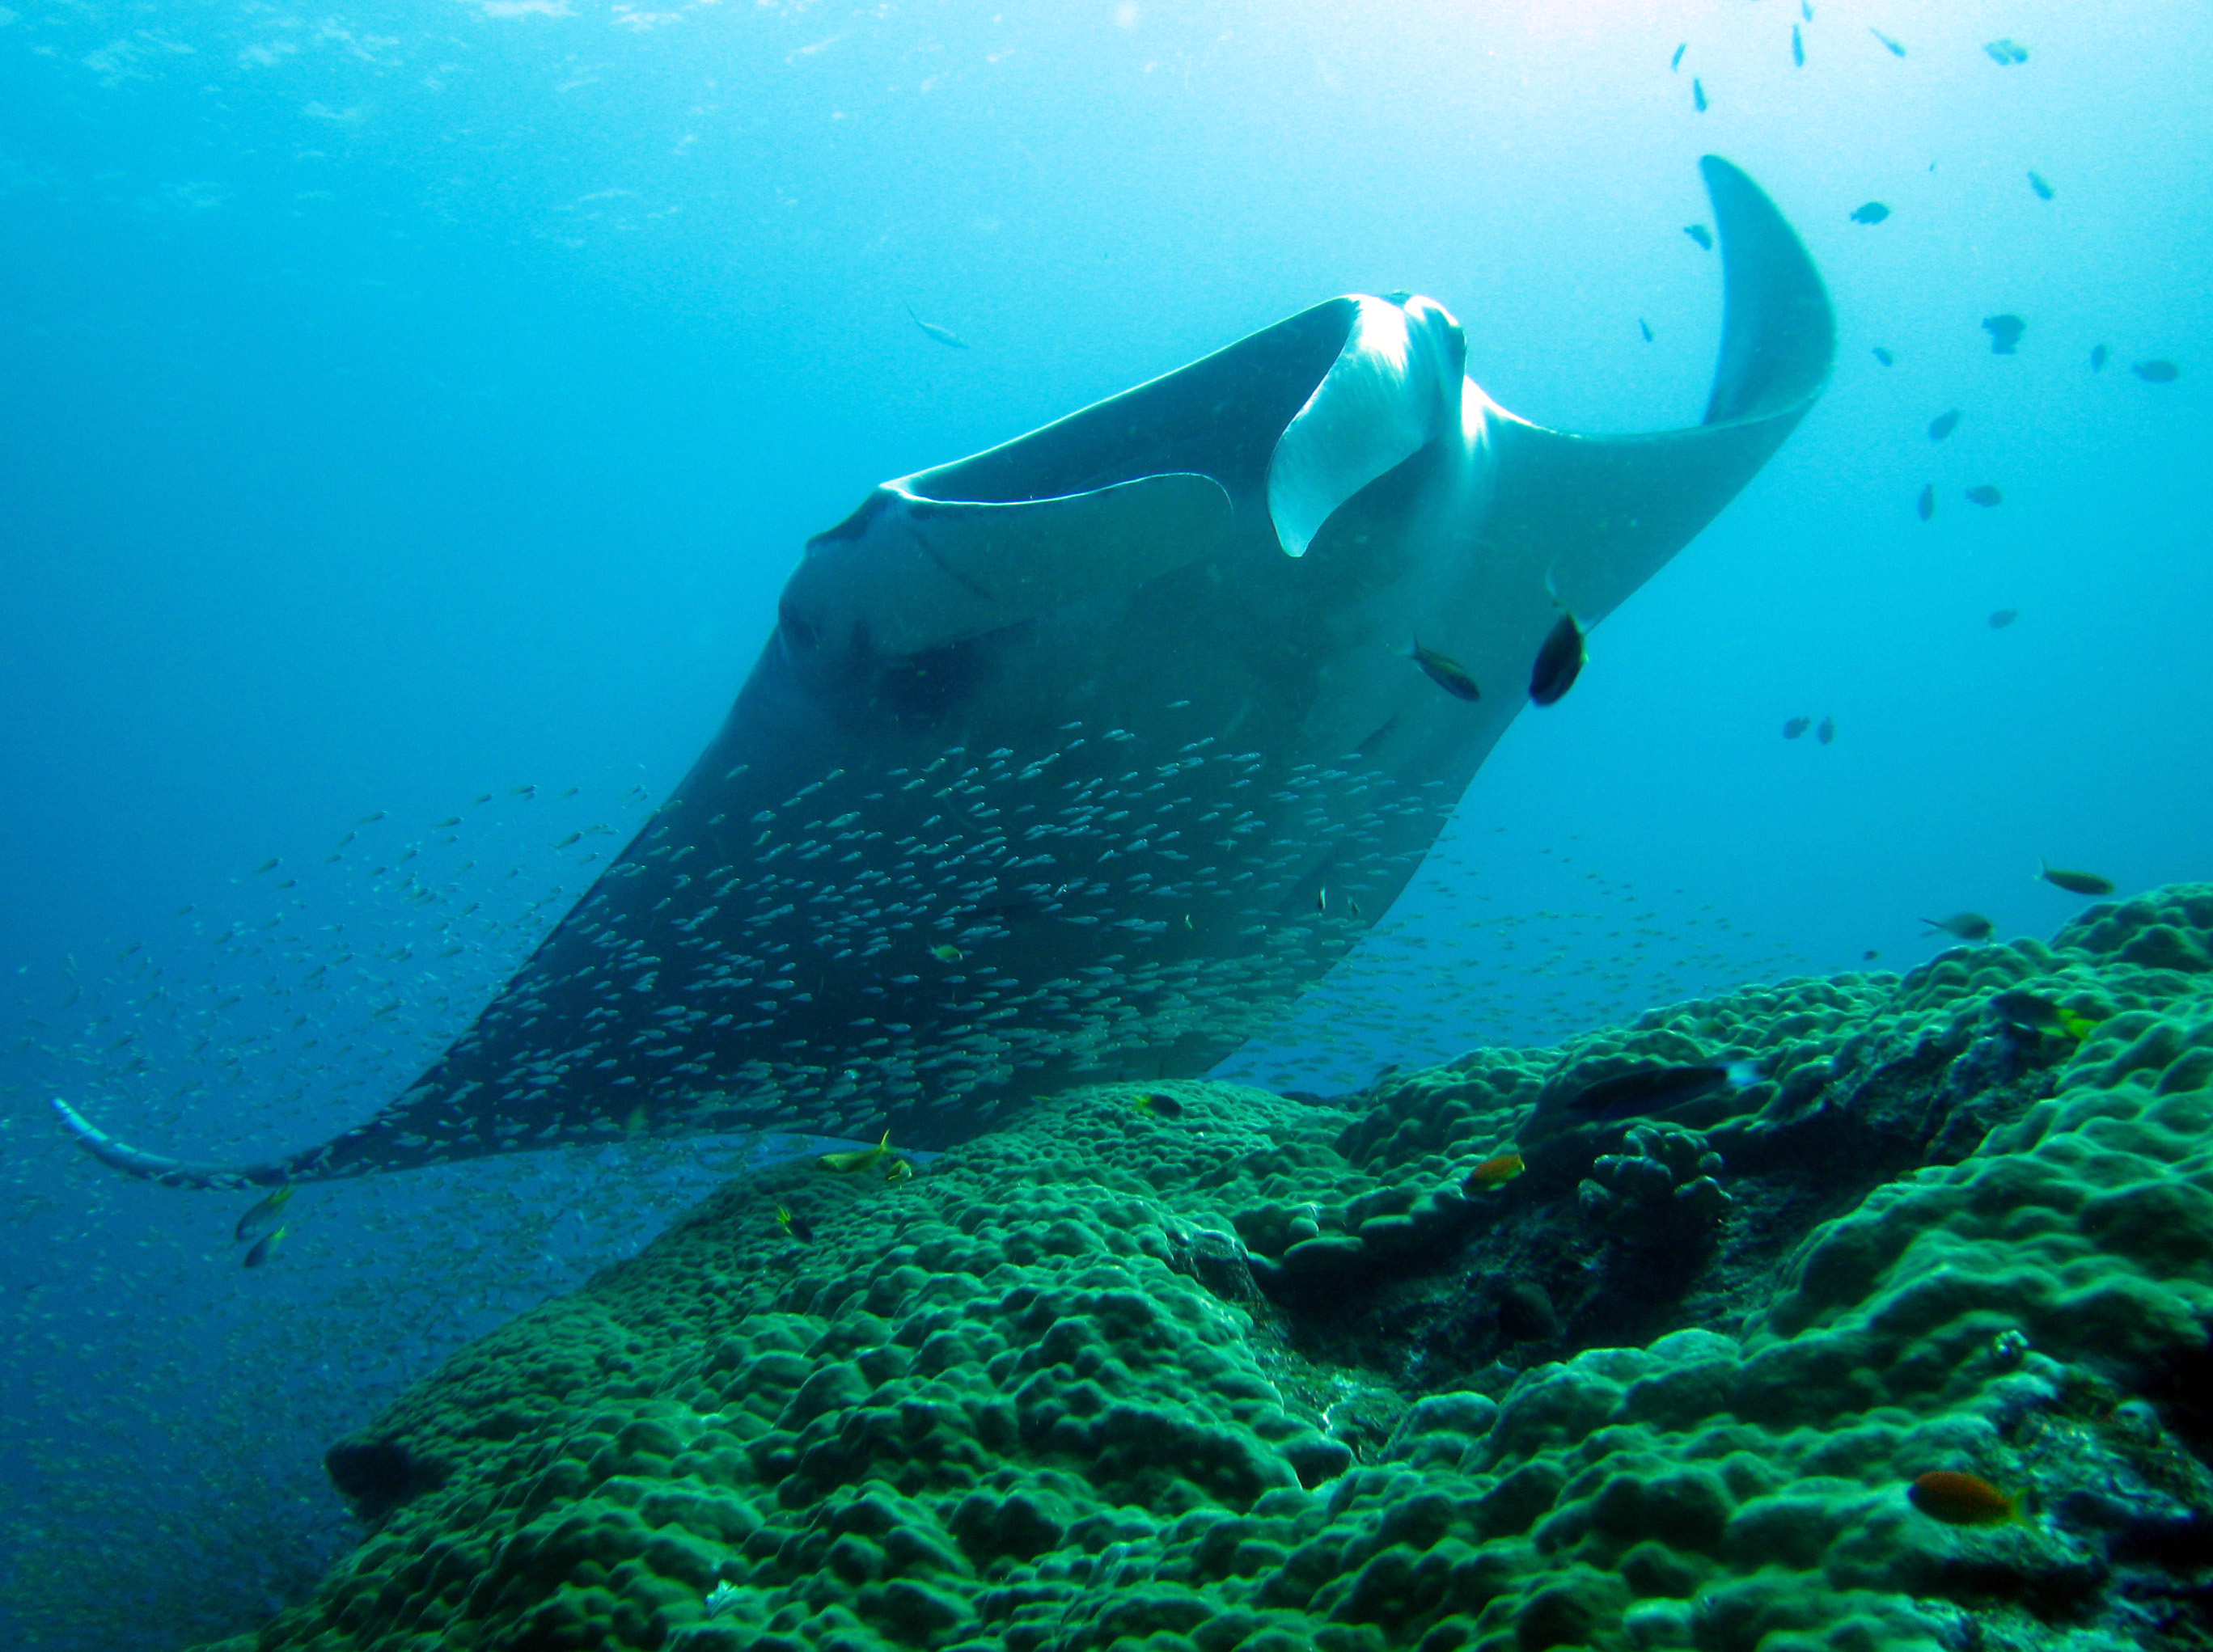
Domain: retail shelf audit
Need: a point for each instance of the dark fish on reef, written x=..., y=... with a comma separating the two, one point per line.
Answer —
x=1657, y=1089
x=1159, y=1104
x=1698, y=95
x=1122, y=672
x=2005, y=332
x=2032, y=1012
x=1870, y=212
x=264, y=1216
x=265, y=1249
x=1559, y=662
x=1884, y=355
x=1700, y=234
x=1446, y=672
x=1888, y=45
x=1796, y=727
x=2043, y=189
x=795, y=1225
x=1964, y=925
x=2002, y=618
x=2156, y=371
x=2098, y=355
x=1962, y=1500
x=1943, y=424
x=1526, y=1313
x=2006, y=53
x=1984, y=495
x=2075, y=883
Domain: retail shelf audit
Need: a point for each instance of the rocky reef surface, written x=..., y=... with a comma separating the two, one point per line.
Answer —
x=1204, y=1369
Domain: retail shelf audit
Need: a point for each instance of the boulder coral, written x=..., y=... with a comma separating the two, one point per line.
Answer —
x=1260, y=1375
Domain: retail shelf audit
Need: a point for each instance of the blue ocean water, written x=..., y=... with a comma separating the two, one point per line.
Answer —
x=412, y=411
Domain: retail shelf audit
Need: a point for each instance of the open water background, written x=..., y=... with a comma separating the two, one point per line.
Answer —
x=407, y=402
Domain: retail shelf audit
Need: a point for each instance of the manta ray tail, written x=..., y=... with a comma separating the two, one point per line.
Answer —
x=1600, y=514
x=169, y=1172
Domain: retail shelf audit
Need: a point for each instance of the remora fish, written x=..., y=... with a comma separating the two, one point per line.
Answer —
x=1123, y=671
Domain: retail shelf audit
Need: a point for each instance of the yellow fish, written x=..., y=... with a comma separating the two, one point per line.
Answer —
x=1496, y=1171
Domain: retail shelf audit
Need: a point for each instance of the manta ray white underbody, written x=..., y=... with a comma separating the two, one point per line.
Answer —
x=1079, y=759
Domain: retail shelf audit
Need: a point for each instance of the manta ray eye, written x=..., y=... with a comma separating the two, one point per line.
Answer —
x=926, y=686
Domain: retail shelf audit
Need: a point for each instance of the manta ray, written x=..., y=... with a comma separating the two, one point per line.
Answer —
x=1077, y=760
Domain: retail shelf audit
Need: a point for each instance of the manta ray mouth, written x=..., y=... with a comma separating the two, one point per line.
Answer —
x=1080, y=759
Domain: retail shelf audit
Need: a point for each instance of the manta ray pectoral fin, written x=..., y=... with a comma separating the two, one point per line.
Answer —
x=153, y=1167
x=1600, y=514
x=923, y=573
x=1393, y=388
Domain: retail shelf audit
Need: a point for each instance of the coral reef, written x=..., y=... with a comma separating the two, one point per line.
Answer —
x=1251, y=1372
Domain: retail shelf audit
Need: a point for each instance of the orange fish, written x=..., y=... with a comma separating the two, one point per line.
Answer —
x=1497, y=1171
x=1962, y=1500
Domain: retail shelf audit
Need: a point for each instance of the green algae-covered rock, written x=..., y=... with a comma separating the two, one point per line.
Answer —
x=1257, y=1375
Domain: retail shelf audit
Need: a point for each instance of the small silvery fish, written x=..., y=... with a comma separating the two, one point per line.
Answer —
x=944, y=335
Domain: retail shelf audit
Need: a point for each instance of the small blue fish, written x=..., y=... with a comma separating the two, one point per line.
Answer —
x=2098, y=355
x=1446, y=672
x=1871, y=212
x=1700, y=234
x=2043, y=189
x=1797, y=47
x=1644, y=327
x=264, y=1216
x=1676, y=61
x=1698, y=95
x=1888, y=45
x=1884, y=355
x=1943, y=425
x=260, y=1255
